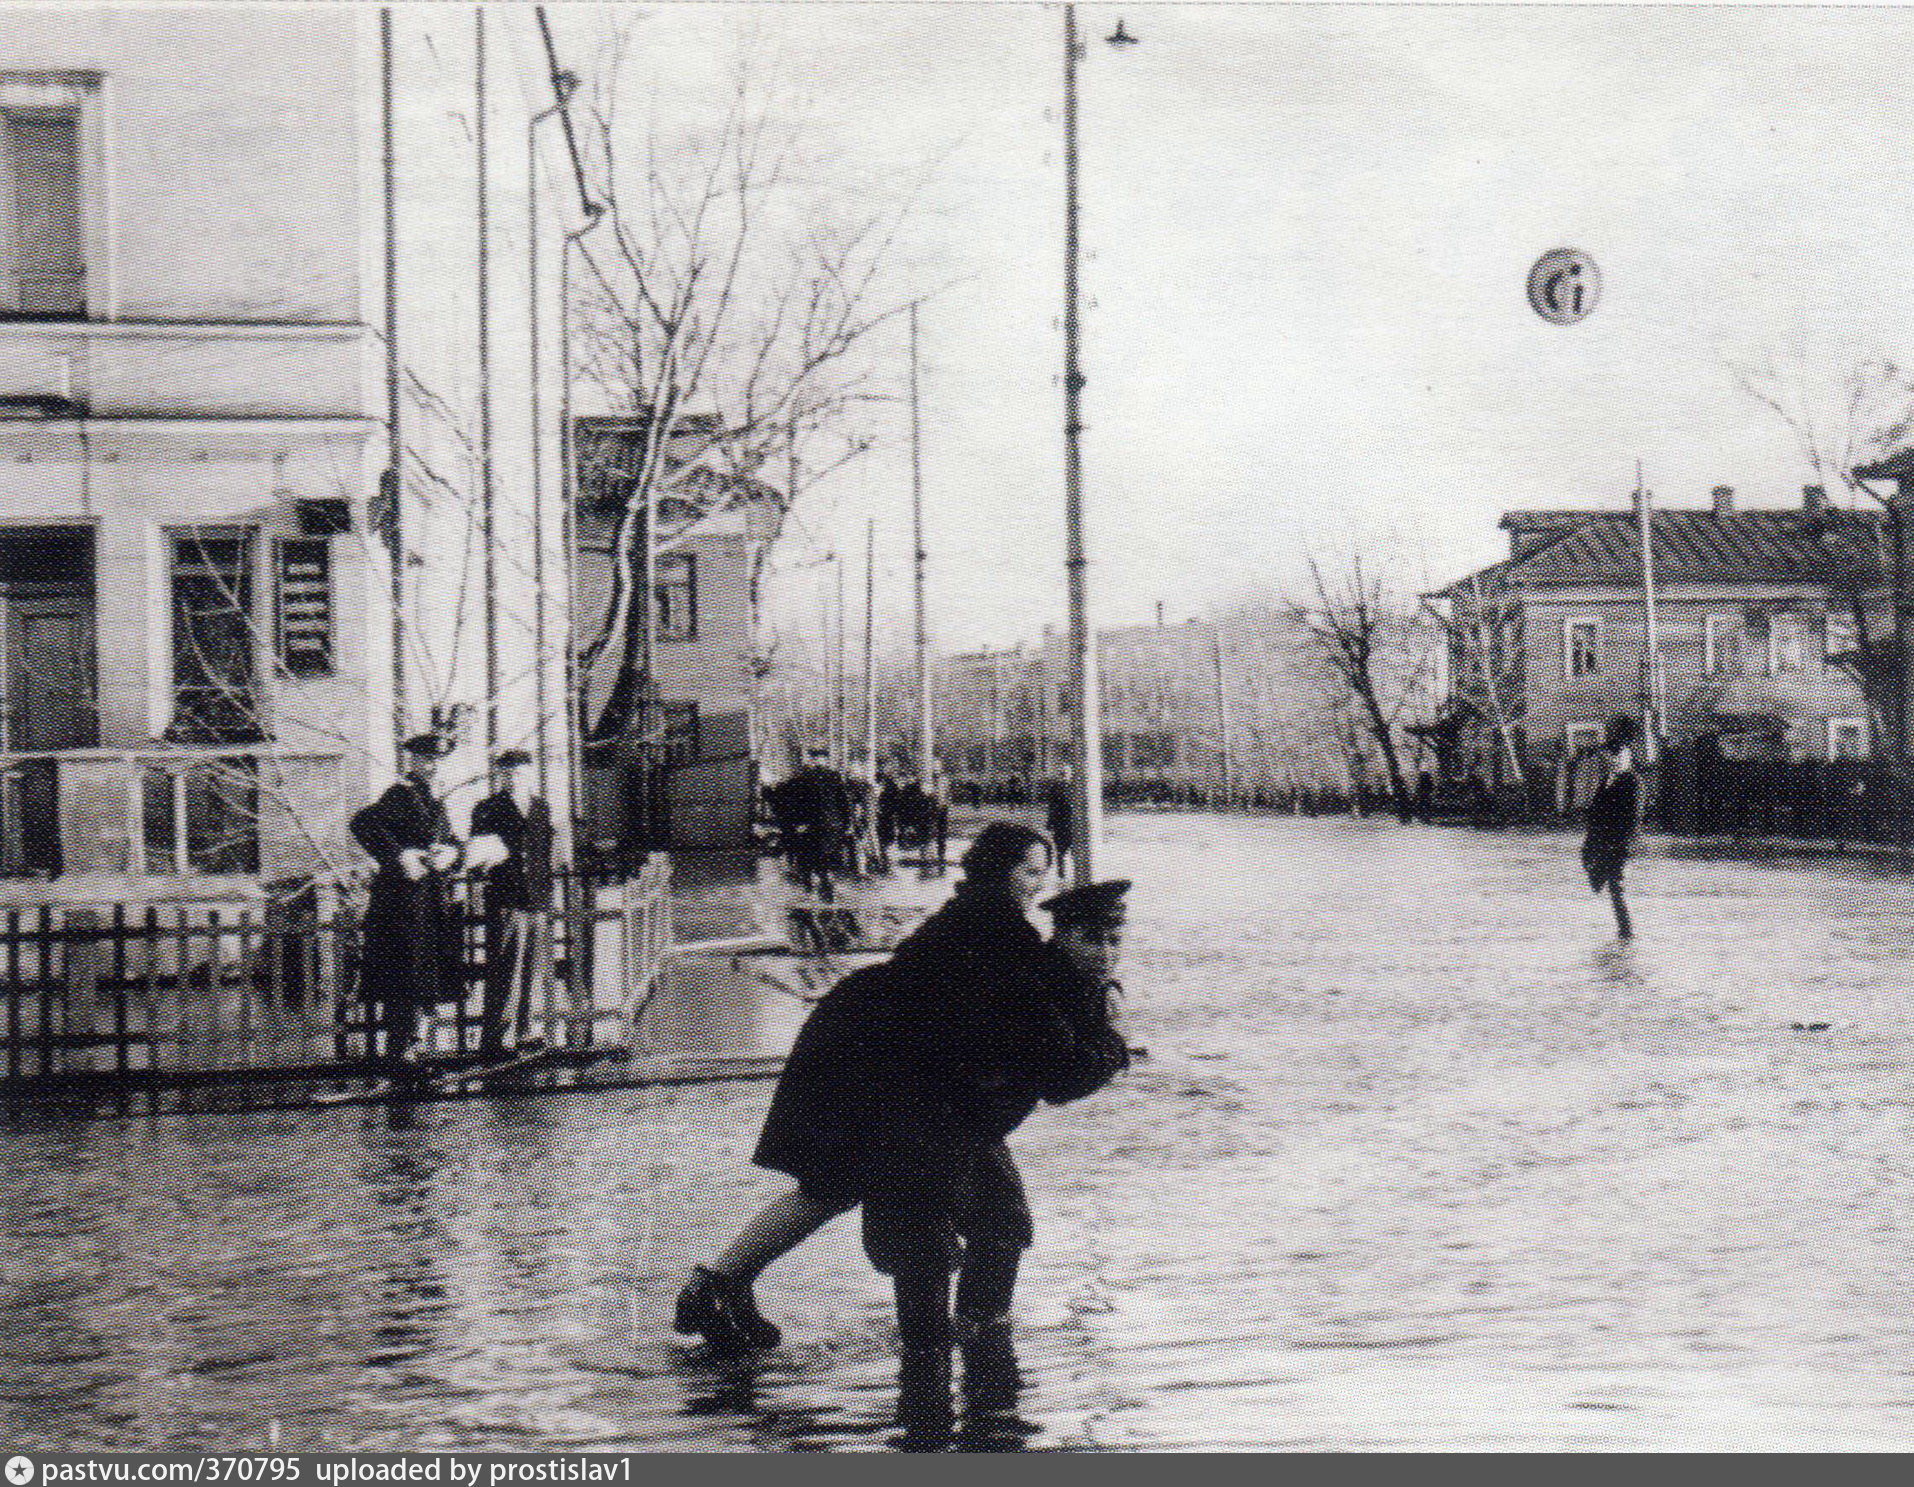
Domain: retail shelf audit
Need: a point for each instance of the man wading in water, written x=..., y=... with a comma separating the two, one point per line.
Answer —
x=901, y=1088
x=1613, y=816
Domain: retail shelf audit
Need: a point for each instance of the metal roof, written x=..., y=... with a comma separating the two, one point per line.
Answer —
x=1594, y=547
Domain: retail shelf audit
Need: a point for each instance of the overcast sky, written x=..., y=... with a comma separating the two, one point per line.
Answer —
x=1308, y=232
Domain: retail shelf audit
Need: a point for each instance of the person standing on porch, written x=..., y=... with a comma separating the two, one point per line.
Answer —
x=411, y=948
x=518, y=901
x=1613, y=818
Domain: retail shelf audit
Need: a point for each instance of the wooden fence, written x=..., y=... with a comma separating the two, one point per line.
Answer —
x=1840, y=800
x=193, y=991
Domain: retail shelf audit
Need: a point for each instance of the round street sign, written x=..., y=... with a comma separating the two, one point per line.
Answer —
x=1564, y=286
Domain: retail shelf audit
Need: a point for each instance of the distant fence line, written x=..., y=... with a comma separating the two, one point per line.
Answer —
x=1838, y=800
x=1691, y=793
x=202, y=990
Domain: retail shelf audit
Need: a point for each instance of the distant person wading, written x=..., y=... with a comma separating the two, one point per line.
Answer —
x=1613, y=818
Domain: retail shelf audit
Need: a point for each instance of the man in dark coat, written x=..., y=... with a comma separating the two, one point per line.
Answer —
x=1059, y=815
x=411, y=946
x=898, y=1094
x=1613, y=817
x=820, y=806
x=518, y=900
x=887, y=794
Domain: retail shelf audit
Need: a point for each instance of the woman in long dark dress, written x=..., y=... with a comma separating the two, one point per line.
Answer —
x=897, y=1094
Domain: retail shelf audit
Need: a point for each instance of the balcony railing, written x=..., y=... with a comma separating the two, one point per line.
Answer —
x=170, y=813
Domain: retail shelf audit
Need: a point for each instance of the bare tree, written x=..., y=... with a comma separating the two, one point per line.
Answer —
x=1486, y=648
x=731, y=325
x=1370, y=637
x=1843, y=420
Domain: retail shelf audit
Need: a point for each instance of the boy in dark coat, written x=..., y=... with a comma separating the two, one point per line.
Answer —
x=412, y=951
x=901, y=1088
x=1613, y=816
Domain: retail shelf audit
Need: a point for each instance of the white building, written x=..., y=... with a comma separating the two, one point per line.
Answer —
x=195, y=609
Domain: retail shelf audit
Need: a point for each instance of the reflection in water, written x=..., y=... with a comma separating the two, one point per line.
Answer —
x=1421, y=1159
x=923, y=1401
x=992, y=1385
x=1615, y=963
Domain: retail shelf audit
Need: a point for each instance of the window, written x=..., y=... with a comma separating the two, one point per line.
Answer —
x=1153, y=751
x=303, y=576
x=1583, y=646
x=201, y=818
x=43, y=256
x=1787, y=644
x=677, y=596
x=1721, y=645
x=680, y=732
x=1847, y=738
x=1839, y=638
x=213, y=696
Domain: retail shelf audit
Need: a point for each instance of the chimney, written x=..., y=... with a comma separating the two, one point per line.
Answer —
x=1814, y=499
x=1724, y=500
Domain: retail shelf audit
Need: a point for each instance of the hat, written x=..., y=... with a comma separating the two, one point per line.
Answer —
x=431, y=745
x=510, y=758
x=1093, y=903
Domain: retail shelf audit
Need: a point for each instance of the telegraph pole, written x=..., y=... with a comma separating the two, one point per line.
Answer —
x=926, y=743
x=1222, y=719
x=1651, y=651
x=1088, y=776
x=393, y=482
x=839, y=738
x=487, y=495
x=870, y=652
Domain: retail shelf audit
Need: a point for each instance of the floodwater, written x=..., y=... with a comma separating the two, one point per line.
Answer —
x=1421, y=1158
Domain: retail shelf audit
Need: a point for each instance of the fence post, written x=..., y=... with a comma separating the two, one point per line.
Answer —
x=81, y=983
x=16, y=1035
x=122, y=1055
x=43, y=980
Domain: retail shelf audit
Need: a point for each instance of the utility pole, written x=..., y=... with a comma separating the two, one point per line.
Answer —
x=487, y=495
x=1222, y=718
x=1651, y=649
x=540, y=686
x=840, y=741
x=926, y=742
x=568, y=486
x=870, y=652
x=393, y=481
x=1087, y=781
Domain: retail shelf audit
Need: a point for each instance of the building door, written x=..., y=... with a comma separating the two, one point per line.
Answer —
x=49, y=705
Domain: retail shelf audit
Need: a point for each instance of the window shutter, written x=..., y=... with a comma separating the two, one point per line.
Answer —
x=44, y=153
x=305, y=606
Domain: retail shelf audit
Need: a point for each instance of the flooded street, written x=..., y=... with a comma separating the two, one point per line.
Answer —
x=1421, y=1159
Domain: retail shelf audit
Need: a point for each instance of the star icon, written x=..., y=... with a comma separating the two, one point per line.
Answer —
x=19, y=1471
